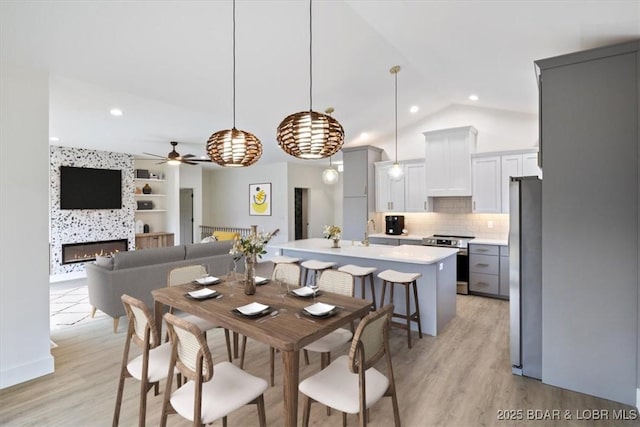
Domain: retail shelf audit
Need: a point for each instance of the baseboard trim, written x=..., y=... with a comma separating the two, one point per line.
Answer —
x=26, y=372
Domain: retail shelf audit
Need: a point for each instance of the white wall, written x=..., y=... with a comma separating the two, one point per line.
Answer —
x=226, y=197
x=24, y=225
x=191, y=177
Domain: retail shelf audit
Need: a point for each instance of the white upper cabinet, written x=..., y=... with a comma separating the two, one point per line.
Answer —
x=448, y=161
x=390, y=195
x=486, y=184
x=492, y=173
x=408, y=194
x=415, y=187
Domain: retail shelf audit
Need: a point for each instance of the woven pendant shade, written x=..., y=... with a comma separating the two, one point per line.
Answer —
x=310, y=135
x=234, y=148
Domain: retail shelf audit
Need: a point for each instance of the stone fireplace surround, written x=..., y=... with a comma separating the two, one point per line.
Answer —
x=88, y=225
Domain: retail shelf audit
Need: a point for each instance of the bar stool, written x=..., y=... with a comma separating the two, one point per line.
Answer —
x=283, y=259
x=391, y=277
x=317, y=267
x=362, y=273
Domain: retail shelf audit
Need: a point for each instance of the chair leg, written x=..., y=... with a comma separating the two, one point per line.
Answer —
x=262, y=417
x=144, y=387
x=415, y=300
x=224, y=421
x=116, y=320
x=384, y=290
x=272, y=365
x=227, y=338
x=242, y=350
x=325, y=360
x=344, y=419
x=306, y=357
x=116, y=413
x=373, y=291
x=408, y=308
x=306, y=410
x=93, y=312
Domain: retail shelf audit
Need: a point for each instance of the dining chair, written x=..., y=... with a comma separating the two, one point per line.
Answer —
x=351, y=384
x=149, y=367
x=187, y=274
x=211, y=391
x=289, y=274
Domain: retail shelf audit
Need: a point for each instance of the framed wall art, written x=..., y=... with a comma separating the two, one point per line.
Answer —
x=260, y=199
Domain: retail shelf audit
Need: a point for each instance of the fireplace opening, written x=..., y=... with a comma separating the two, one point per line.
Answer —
x=88, y=251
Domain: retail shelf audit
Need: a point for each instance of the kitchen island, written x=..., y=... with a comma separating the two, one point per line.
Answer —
x=436, y=286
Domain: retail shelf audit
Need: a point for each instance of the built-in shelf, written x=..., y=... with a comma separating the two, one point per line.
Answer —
x=150, y=195
x=150, y=210
x=150, y=180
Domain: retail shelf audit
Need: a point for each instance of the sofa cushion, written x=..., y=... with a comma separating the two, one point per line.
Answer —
x=105, y=261
x=201, y=250
x=146, y=257
x=225, y=235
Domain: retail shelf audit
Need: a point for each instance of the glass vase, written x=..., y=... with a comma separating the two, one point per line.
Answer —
x=336, y=243
x=250, y=274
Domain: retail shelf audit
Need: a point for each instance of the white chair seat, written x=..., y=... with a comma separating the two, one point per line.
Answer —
x=202, y=324
x=356, y=270
x=159, y=359
x=229, y=389
x=337, y=387
x=282, y=259
x=331, y=341
x=398, y=277
x=313, y=264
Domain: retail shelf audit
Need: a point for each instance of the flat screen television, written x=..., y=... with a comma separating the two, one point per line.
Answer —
x=89, y=188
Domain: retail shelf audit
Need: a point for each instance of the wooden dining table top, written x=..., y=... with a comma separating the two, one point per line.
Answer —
x=289, y=330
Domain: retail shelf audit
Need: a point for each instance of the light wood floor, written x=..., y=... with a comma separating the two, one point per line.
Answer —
x=460, y=378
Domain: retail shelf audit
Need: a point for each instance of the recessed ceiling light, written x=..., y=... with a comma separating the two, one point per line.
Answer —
x=414, y=109
x=54, y=139
x=473, y=97
x=116, y=112
x=364, y=135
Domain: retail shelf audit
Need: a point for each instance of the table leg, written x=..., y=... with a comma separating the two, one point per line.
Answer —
x=290, y=377
x=157, y=314
x=235, y=345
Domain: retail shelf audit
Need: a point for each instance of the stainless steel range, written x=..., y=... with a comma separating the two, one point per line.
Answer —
x=461, y=243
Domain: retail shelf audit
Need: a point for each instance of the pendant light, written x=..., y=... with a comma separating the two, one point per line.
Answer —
x=330, y=176
x=310, y=134
x=234, y=147
x=396, y=172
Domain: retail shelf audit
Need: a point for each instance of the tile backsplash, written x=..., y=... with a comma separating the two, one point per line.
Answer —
x=452, y=215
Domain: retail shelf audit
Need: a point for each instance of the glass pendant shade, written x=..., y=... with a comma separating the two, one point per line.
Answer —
x=330, y=176
x=234, y=148
x=310, y=135
x=395, y=172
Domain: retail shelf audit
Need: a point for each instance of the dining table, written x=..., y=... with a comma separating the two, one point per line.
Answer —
x=284, y=326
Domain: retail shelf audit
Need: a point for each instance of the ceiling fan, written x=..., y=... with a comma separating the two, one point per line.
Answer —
x=174, y=157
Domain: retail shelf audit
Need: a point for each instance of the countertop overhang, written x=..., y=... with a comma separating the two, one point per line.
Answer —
x=404, y=253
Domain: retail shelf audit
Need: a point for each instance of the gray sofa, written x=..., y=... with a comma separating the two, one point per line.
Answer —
x=137, y=273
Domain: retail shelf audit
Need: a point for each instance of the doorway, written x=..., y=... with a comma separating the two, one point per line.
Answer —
x=301, y=209
x=186, y=216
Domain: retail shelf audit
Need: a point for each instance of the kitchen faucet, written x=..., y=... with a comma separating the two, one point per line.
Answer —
x=366, y=232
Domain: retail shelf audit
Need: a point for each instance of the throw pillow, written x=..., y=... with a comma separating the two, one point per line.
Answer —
x=225, y=235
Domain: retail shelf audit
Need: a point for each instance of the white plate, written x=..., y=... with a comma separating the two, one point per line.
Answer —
x=319, y=309
x=260, y=280
x=207, y=280
x=201, y=293
x=303, y=291
x=253, y=308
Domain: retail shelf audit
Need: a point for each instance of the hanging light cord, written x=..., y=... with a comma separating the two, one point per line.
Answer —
x=396, y=106
x=310, y=59
x=234, y=64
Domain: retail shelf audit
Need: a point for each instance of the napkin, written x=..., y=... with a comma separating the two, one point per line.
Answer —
x=319, y=309
x=207, y=280
x=201, y=293
x=253, y=308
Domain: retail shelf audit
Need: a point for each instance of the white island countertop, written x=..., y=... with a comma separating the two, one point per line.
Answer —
x=495, y=242
x=404, y=253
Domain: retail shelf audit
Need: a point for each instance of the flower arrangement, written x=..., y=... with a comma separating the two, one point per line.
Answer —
x=254, y=244
x=331, y=232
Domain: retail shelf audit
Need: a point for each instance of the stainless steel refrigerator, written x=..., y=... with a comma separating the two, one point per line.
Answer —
x=525, y=275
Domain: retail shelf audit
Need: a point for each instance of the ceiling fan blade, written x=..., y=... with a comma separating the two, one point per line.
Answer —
x=159, y=163
x=155, y=155
x=188, y=162
x=188, y=156
x=200, y=160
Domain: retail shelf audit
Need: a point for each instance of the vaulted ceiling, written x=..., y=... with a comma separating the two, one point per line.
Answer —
x=168, y=64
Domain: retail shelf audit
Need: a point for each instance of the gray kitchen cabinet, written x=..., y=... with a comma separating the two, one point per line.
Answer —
x=504, y=271
x=358, y=183
x=485, y=270
x=448, y=161
x=384, y=241
x=589, y=139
